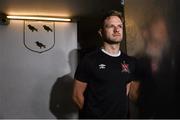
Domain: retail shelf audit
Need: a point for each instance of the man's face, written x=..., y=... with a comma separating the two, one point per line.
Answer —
x=112, y=31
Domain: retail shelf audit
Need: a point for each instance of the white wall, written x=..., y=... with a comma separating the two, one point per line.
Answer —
x=26, y=77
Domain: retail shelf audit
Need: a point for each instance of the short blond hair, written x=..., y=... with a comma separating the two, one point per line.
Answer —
x=111, y=13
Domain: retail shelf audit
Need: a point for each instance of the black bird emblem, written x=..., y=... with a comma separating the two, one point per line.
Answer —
x=47, y=28
x=32, y=28
x=40, y=45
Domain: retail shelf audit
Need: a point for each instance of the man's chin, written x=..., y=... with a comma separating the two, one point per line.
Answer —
x=113, y=42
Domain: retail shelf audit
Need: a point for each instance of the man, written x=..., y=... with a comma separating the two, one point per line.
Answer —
x=103, y=78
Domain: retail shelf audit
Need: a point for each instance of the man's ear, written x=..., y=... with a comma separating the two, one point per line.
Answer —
x=100, y=32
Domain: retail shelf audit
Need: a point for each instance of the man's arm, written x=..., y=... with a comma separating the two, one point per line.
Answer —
x=78, y=91
x=133, y=90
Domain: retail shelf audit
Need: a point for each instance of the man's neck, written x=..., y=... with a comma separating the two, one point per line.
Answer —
x=111, y=49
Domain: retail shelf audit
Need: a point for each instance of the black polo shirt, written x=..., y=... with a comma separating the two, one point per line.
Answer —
x=106, y=78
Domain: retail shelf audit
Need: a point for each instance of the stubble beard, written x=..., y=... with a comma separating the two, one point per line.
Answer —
x=112, y=42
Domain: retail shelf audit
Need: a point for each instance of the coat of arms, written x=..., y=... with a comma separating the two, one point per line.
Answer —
x=39, y=36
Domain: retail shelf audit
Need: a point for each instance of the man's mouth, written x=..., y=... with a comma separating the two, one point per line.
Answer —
x=115, y=35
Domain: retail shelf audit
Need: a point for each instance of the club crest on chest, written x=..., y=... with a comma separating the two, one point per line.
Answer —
x=125, y=67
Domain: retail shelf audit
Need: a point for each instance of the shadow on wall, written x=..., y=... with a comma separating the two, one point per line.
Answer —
x=61, y=103
x=42, y=75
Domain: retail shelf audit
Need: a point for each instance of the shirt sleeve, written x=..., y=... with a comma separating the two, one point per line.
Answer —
x=82, y=73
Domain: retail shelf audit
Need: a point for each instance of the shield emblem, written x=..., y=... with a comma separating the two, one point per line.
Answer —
x=39, y=36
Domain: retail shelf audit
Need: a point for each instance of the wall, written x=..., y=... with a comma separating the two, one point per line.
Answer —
x=27, y=77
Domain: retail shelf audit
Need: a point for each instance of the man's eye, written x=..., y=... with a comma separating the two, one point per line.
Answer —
x=112, y=26
x=120, y=26
x=109, y=26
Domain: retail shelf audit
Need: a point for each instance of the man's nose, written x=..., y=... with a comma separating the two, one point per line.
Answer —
x=116, y=29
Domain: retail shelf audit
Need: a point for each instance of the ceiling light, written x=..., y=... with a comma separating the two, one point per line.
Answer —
x=38, y=18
